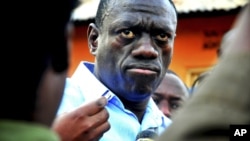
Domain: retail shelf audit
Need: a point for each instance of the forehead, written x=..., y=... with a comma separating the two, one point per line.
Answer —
x=172, y=81
x=171, y=84
x=155, y=10
x=150, y=6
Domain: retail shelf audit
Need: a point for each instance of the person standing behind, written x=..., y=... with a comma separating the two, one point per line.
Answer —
x=132, y=41
x=171, y=94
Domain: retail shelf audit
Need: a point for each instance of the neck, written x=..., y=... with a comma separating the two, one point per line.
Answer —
x=138, y=108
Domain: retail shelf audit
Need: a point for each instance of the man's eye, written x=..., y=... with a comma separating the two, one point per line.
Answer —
x=162, y=37
x=156, y=99
x=128, y=34
x=174, y=106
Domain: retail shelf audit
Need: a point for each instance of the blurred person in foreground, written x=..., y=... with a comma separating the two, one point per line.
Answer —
x=171, y=94
x=35, y=69
x=132, y=41
x=224, y=98
x=34, y=82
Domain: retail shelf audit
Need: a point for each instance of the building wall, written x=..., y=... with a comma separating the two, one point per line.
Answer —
x=194, y=49
x=196, y=44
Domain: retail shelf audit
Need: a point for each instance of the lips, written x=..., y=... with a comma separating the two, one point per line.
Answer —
x=143, y=70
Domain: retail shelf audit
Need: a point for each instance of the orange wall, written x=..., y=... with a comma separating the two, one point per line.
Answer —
x=79, y=50
x=188, y=48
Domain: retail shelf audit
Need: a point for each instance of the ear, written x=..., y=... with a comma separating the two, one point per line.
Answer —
x=93, y=33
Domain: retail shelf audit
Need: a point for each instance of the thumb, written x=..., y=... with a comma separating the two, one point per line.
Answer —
x=101, y=102
x=94, y=107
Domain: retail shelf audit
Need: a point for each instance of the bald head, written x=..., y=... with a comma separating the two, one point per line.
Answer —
x=170, y=94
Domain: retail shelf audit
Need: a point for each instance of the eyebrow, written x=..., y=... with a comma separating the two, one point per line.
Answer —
x=171, y=98
x=119, y=23
x=176, y=98
x=158, y=95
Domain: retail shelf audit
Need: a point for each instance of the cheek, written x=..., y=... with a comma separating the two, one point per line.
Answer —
x=167, y=55
x=52, y=87
x=49, y=95
x=109, y=53
x=116, y=44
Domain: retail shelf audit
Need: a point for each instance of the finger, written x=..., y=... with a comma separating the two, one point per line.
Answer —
x=97, y=133
x=92, y=122
x=93, y=107
x=99, y=118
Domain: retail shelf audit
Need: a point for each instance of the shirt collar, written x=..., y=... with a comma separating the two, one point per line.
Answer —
x=84, y=75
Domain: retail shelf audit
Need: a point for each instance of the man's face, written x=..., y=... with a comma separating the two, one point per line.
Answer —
x=170, y=94
x=135, y=46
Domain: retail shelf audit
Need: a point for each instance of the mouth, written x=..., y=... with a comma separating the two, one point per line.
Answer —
x=143, y=70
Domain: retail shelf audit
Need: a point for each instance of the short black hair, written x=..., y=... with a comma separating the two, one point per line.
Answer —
x=104, y=5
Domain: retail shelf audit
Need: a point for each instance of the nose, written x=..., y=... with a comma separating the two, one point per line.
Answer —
x=145, y=48
x=166, y=111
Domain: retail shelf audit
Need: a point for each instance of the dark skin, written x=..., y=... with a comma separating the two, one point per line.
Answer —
x=133, y=49
x=86, y=123
x=170, y=94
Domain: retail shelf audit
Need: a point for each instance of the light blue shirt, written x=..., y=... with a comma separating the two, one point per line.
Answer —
x=83, y=86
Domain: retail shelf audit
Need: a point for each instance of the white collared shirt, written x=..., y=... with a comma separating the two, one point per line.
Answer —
x=83, y=86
